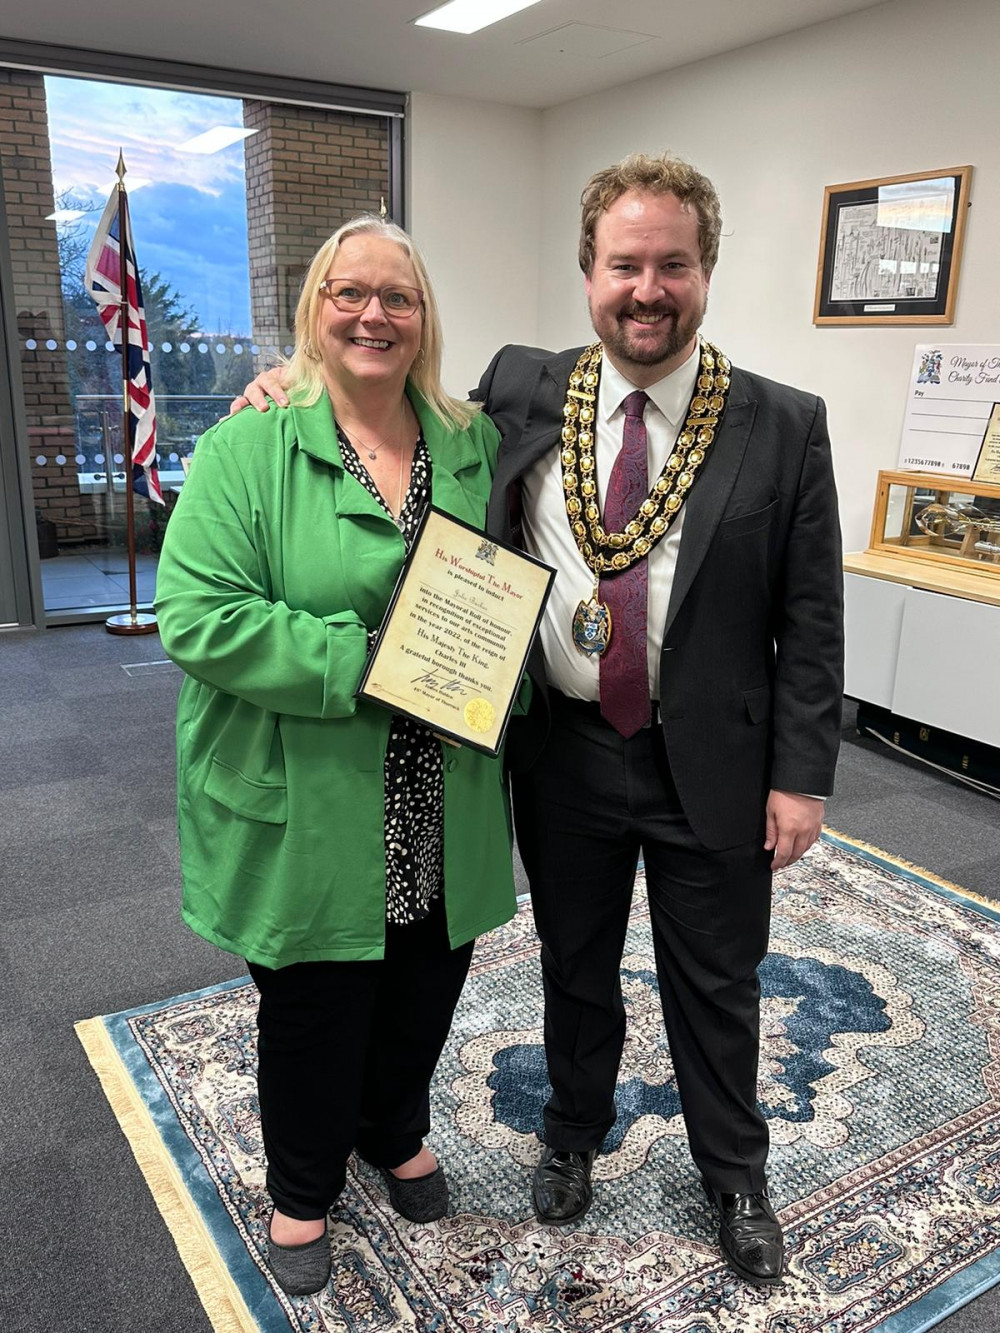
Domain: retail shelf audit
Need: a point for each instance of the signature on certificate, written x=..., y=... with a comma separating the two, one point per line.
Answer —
x=441, y=681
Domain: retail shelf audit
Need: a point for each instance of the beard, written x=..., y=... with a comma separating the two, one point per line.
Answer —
x=670, y=339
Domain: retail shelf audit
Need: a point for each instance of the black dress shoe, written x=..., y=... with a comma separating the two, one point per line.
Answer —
x=561, y=1189
x=750, y=1235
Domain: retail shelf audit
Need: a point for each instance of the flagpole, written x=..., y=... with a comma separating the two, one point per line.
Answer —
x=134, y=622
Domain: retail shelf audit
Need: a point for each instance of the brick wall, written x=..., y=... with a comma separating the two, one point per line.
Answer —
x=27, y=176
x=307, y=171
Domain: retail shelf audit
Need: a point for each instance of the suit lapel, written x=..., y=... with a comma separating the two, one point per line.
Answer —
x=543, y=420
x=710, y=494
x=521, y=448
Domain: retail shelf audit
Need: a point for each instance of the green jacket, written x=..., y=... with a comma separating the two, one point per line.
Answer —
x=276, y=563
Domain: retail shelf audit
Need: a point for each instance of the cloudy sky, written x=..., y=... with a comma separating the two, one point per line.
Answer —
x=189, y=223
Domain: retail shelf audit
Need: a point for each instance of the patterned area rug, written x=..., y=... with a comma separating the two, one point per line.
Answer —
x=879, y=1077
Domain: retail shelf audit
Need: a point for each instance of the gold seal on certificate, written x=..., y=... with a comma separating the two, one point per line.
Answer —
x=479, y=714
x=453, y=645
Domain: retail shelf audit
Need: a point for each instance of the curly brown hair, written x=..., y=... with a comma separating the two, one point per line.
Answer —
x=653, y=175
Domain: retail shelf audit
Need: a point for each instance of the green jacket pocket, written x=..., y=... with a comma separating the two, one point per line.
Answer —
x=266, y=802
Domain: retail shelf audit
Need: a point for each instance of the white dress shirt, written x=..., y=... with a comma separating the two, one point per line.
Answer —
x=547, y=532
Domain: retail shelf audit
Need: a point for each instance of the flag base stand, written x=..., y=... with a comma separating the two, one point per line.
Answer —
x=136, y=622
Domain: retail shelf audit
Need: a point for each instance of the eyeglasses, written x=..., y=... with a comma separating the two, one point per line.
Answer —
x=351, y=296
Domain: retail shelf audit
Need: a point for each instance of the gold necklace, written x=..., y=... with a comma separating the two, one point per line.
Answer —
x=609, y=552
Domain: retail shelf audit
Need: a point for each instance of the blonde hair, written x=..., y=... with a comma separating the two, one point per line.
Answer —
x=306, y=381
x=652, y=175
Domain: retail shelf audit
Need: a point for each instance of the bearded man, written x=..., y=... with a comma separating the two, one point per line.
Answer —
x=689, y=508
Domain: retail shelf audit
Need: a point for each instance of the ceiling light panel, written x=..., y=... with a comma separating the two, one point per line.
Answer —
x=470, y=15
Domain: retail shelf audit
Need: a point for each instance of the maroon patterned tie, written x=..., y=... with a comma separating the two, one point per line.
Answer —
x=624, y=673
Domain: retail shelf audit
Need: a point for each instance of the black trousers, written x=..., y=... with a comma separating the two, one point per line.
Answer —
x=346, y=1053
x=584, y=812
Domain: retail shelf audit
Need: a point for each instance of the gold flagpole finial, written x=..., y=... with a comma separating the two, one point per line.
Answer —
x=383, y=212
x=120, y=170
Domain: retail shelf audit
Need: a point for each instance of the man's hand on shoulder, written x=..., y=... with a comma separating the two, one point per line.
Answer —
x=793, y=825
x=268, y=384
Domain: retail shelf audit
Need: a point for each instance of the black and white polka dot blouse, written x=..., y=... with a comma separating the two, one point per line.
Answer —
x=414, y=773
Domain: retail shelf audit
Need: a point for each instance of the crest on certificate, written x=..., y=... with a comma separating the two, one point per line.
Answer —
x=929, y=371
x=487, y=551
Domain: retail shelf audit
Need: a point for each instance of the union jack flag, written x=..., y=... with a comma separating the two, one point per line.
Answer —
x=103, y=282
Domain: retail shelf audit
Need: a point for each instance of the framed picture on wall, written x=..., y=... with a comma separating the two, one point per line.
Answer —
x=890, y=249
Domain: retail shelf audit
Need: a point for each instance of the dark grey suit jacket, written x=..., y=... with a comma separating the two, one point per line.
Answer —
x=751, y=672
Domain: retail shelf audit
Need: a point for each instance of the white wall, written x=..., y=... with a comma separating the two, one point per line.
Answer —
x=474, y=188
x=911, y=85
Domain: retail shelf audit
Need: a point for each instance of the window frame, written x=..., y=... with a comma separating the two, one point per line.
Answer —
x=22, y=590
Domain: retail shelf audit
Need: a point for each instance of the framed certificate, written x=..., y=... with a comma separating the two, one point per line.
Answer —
x=453, y=645
x=988, y=463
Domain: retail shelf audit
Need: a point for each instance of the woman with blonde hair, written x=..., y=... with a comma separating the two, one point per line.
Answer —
x=329, y=842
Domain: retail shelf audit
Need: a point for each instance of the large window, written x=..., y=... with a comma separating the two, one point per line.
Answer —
x=229, y=199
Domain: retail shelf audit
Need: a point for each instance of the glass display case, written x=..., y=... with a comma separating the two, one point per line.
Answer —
x=947, y=519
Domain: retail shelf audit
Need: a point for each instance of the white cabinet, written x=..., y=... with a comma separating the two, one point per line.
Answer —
x=873, y=620
x=948, y=668
x=931, y=656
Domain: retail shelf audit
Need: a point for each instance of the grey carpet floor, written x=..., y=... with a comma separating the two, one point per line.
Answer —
x=89, y=890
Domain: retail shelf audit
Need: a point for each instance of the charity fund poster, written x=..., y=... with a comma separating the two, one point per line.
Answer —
x=952, y=391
